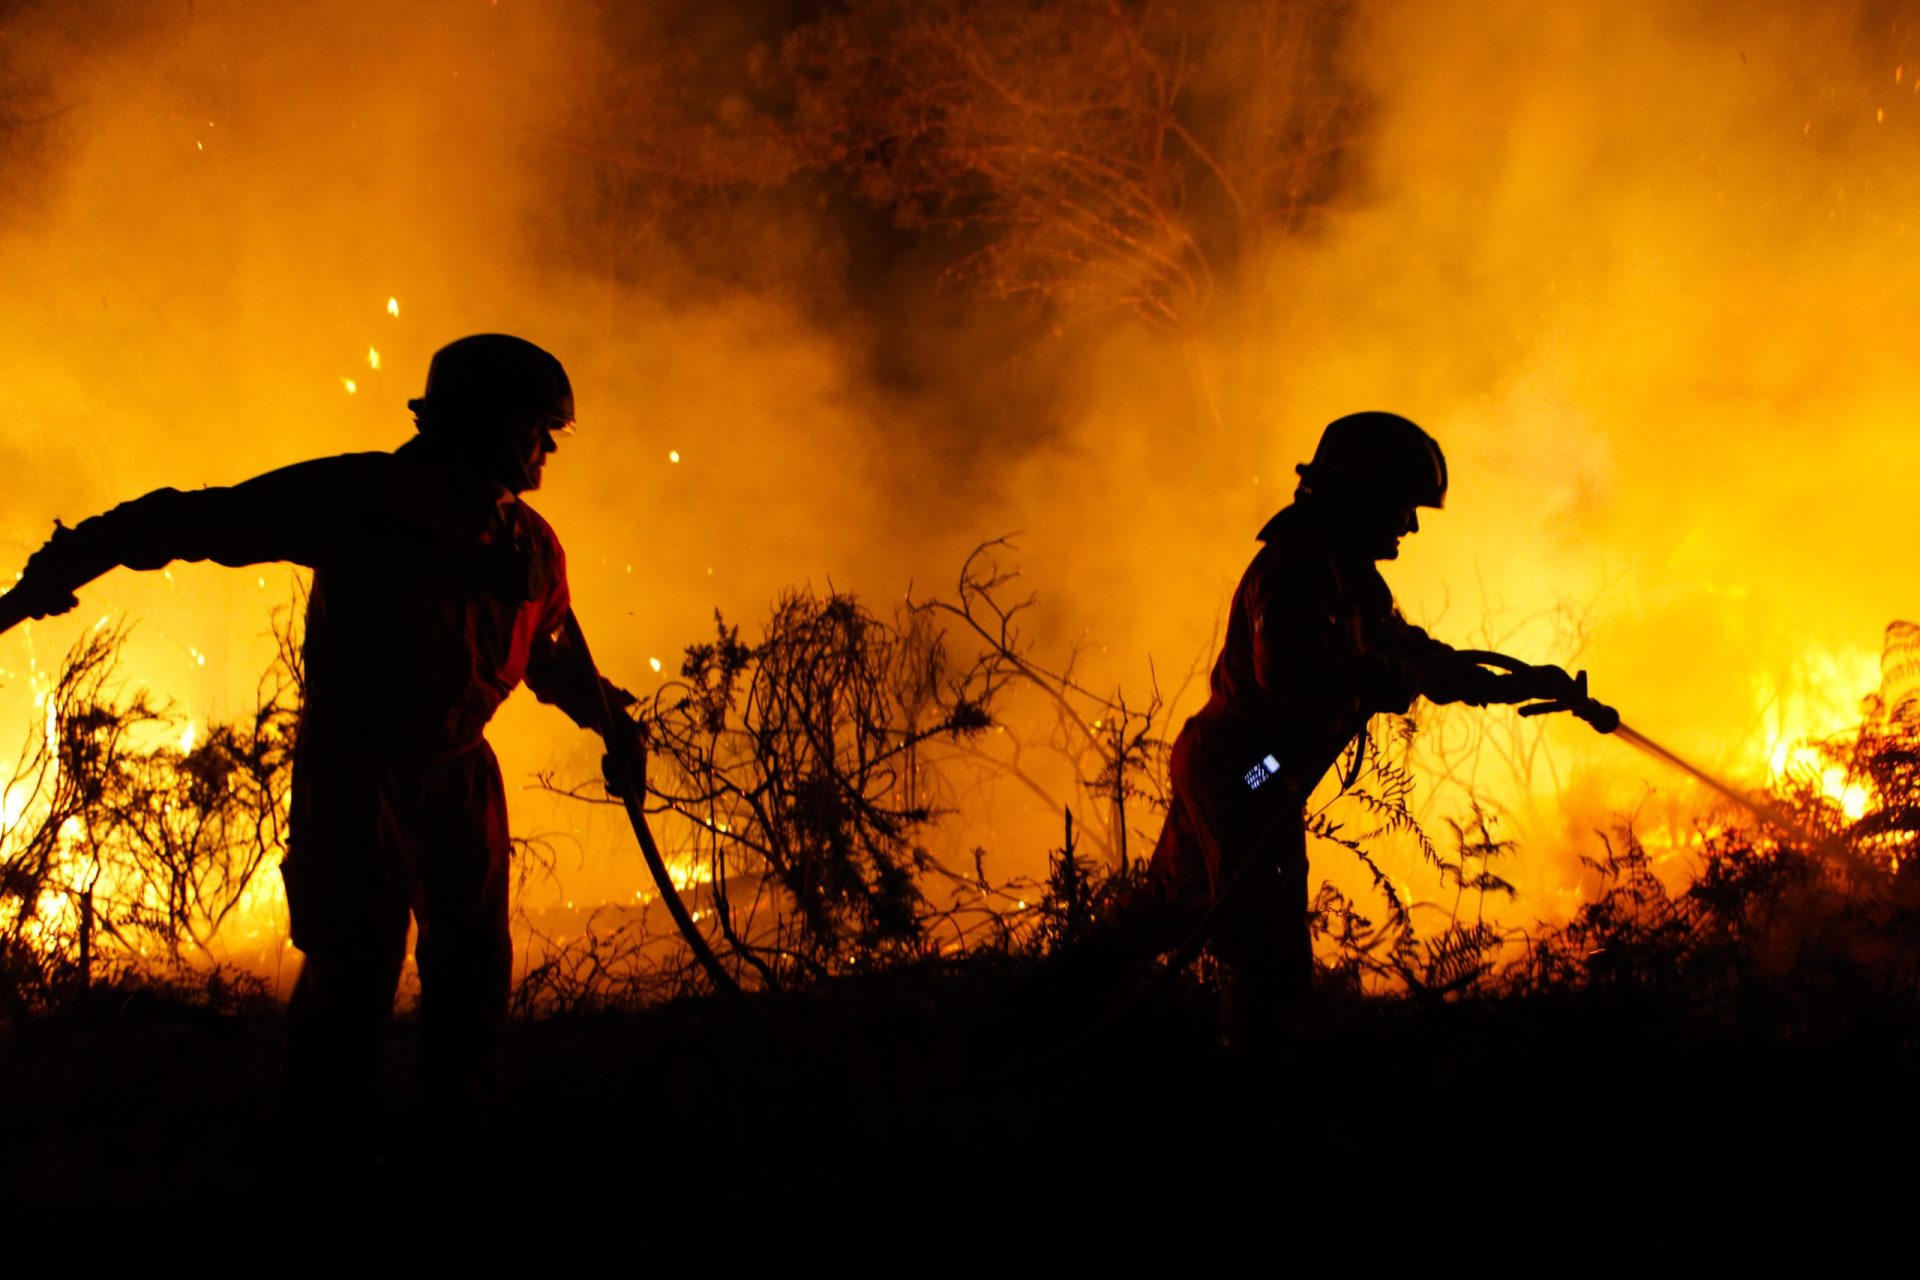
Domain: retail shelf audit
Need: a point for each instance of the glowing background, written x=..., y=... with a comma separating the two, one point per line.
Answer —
x=1644, y=270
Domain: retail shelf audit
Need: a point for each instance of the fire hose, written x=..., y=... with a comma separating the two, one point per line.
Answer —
x=627, y=767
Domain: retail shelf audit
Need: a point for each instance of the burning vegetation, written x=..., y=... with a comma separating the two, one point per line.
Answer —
x=803, y=775
x=136, y=847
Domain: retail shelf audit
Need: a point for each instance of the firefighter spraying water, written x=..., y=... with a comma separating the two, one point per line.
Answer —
x=436, y=591
x=1314, y=648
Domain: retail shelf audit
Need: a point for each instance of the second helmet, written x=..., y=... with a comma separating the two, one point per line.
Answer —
x=1377, y=456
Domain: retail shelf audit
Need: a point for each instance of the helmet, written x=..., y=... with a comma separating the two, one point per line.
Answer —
x=1377, y=456
x=493, y=380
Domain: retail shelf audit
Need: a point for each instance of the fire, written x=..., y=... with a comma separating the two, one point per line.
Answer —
x=1818, y=697
x=373, y=358
x=1793, y=761
x=393, y=307
x=688, y=873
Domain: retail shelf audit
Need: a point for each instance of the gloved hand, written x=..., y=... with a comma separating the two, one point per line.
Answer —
x=1555, y=690
x=625, y=763
x=1548, y=683
x=46, y=585
x=1462, y=677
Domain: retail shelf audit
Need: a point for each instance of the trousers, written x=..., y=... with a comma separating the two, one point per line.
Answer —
x=1240, y=852
x=372, y=845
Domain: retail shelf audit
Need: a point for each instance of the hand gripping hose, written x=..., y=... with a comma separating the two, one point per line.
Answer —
x=1556, y=692
x=629, y=770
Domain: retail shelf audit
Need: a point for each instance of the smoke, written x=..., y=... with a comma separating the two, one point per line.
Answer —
x=1643, y=270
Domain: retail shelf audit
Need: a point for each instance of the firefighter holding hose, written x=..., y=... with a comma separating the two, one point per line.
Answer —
x=1314, y=647
x=436, y=591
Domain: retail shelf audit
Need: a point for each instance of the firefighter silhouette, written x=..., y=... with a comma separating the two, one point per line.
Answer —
x=1314, y=647
x=436, y=591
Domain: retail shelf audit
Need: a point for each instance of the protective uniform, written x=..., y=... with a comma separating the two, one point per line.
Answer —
x=1314, y=647
x=435, y=592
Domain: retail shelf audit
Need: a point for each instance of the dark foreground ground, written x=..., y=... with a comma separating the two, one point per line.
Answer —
x=958, y=1078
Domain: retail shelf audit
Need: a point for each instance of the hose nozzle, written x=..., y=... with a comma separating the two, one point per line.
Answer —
x=1574, y=698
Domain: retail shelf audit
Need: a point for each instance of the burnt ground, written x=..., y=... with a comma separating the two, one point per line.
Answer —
x=984, y=1076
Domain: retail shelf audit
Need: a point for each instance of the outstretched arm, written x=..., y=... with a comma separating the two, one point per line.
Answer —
x=298, y=513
